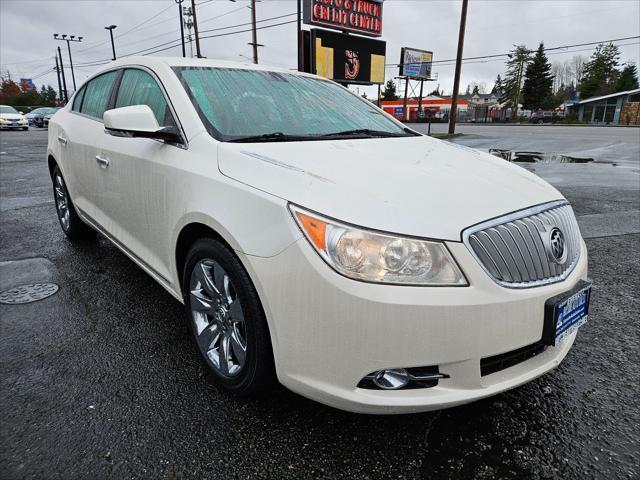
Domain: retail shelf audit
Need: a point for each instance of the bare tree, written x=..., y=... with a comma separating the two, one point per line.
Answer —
x=577, y=64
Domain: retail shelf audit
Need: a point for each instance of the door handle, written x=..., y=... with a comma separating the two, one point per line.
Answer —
x=103, y=162
x=62, y=140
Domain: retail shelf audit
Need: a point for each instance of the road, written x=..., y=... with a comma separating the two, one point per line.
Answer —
x=620, y=145
x=101, y=381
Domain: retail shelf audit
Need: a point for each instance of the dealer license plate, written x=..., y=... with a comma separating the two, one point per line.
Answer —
x=565, y=313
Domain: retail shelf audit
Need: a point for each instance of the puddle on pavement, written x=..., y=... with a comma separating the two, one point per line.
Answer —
x=536, y=157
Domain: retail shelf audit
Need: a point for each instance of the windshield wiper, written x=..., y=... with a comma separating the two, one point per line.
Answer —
x=271, y=137
x=366, y=132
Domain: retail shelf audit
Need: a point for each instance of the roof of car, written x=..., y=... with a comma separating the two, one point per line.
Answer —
x=196, y=62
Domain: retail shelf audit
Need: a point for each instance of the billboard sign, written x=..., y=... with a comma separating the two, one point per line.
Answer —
x=415, y=63
x=347, y=58
x=27, y=84
x=358, y=16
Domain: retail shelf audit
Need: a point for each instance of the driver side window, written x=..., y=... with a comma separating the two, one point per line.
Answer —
x=138, y=87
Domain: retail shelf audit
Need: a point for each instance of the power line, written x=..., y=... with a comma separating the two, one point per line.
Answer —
x=174, y=43
x=561, y=47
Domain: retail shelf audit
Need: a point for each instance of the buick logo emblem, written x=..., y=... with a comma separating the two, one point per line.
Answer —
x=556, y=246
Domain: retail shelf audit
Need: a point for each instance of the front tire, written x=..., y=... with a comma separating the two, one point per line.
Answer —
x=74, y=228
x=227, y=322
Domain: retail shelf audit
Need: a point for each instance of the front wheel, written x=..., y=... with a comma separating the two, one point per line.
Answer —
x=227, y=321
x=72, y=226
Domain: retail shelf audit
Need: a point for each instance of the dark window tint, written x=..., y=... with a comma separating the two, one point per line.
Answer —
x=78, y=100
x=138, y=87
x=96, y=97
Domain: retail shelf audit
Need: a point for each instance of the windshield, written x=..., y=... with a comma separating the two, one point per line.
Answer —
x=237, y=103
x=7, y=109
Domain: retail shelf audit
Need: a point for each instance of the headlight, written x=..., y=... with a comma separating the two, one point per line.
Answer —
x=2, y=120
x=378, y=257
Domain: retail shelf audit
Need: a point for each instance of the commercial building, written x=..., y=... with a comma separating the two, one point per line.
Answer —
x=621, y=108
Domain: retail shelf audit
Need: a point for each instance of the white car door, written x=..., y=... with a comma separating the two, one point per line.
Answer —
x=139, y=176
x=82, y=128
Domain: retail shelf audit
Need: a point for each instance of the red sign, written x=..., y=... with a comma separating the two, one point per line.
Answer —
x=359, y=16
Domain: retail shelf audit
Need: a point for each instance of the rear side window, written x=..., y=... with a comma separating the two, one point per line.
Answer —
x=96, y=96
x=138, y=87
x=77, y=102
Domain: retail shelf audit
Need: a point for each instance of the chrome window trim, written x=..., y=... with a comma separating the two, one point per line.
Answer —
x=511, y=217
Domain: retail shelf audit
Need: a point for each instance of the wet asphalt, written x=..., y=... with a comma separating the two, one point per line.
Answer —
x=100, y=381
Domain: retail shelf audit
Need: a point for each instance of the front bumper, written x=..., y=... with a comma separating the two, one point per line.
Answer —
x=328, y=331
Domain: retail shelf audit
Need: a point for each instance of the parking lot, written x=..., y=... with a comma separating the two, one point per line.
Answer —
x=101, y=380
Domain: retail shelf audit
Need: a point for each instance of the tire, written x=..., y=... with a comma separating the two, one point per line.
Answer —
x=240, y=371
x=72, y=226
x=25, y=128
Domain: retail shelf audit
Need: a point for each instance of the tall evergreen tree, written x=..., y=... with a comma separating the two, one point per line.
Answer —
x=517, y=63
x=476, y=90
x=628, y=79
x=497, y=87
x=601, y=71
x=537, y=90
x=389, y=92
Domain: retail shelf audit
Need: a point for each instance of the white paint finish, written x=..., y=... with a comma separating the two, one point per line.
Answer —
x=327, y=331
x=133, y=118
x=415, y=186
x=327, y=341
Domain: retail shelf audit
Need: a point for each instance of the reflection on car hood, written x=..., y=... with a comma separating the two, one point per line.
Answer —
x=11, y=116
x=413, y=185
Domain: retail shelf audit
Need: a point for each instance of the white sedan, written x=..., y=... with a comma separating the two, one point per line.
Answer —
x=315, y=240
x=11, y=118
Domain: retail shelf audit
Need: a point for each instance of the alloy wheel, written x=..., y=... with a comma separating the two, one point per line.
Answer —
x=62, y=202
x=218, y=319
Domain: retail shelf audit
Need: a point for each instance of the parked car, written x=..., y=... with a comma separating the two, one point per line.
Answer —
x=47, y=117
x=546, y=117
x=33, y=113
x=39, y=120
x=314, y=239
x=11, y=118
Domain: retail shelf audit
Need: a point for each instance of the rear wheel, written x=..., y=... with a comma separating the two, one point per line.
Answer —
x=72, y=226
x=228, y=324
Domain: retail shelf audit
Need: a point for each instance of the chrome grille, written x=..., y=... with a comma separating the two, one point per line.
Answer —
x=514, y=249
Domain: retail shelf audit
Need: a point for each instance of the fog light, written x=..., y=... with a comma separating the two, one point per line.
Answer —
x=391, y=379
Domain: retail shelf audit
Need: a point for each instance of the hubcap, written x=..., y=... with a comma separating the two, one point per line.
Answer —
x=62, y=201
x=218, y=319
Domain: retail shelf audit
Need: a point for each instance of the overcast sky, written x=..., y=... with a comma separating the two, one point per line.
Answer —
x=493, y=26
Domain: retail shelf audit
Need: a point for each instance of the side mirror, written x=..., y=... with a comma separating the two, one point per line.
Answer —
x=21, y=113
x=137, y=121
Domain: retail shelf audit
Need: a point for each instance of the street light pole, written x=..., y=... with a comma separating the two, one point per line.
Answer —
x=58, y=75
x=456, y=80
x=64, y=79
x=72, y=38
x=113, y=46
x=179, y=2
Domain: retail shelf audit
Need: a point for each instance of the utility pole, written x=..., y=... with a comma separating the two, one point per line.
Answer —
x=64, y=79
x=189, y=24
x=179, y=2
x=254, y=33
x=520, y=69
x=420, y=99
x=299, y=24
x=405, y=115
x=195, y=28
x=58, y=75
x=113, y=46
x=72, y=38
x=456, y=80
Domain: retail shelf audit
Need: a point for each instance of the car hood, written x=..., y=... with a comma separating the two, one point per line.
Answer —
x=11, y=116
x=416, y=186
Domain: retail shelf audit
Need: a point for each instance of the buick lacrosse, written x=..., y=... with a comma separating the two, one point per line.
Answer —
x=315, y=240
